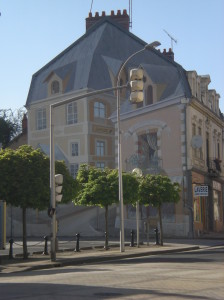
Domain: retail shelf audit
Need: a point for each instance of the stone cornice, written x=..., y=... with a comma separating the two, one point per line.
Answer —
x=206, y=112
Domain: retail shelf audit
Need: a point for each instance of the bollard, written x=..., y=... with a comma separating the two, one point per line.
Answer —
x=157, y=235
x=106, y=247
x=11, y=248
x=132, y=239
x=77, y=242
x=45, y=245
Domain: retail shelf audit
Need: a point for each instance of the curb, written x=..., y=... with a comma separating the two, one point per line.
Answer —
x=97, y=259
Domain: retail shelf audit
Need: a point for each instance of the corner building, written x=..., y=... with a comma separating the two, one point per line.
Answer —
x=177, y=130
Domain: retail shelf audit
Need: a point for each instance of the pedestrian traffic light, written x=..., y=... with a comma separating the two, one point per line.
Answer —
x=58, y=187
x=137, y=86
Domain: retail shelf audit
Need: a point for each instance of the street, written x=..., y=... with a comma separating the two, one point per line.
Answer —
x=187, y=275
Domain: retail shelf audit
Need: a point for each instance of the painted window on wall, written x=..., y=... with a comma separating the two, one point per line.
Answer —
x=100, y=148
x=216, y=205
x=197, y=209
x=74, y=149
x=74, y=170
x=41, y=121
x=99, y=110
x=72, y=114
x=55, y=88
x=100, y=165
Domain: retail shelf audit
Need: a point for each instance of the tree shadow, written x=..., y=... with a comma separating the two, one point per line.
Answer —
x=45, y=291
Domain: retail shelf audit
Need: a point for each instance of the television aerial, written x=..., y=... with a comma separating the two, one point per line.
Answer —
x=171, y=38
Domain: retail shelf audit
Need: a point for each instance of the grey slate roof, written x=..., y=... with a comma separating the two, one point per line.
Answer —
x=90, y=61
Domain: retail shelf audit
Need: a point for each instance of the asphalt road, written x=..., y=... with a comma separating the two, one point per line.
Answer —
x=189, y=275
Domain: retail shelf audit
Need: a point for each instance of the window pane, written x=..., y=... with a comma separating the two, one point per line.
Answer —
x=99, y=110
x=72, y=113
x=74, y=170
x=100, y=148
x=75, y=149
x=41, y=122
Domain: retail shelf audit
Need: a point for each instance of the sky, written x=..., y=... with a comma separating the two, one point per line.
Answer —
x=33, y=32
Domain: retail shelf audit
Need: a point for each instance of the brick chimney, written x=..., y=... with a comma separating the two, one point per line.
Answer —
x=121, y=18
x=169, y=54
x=24, y=124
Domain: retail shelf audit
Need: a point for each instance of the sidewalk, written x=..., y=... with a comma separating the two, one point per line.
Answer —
x=66, y=257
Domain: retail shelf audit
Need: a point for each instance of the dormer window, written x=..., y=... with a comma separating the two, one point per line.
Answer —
x=55, y=87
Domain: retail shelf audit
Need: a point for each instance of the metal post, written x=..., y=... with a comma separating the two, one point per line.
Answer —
x=11, y=248
x=52, y=186
x=132, y=239
x=77, y=242
x=137, y=222
x=45, y=245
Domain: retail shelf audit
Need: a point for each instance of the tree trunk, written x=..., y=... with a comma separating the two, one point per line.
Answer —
x=25, y=253
x=106, y=227
x=161, y=226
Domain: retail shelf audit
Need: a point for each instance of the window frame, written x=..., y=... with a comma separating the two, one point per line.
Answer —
x=72, y=116
x=100, y=148
x=99, y=110
x=41, y=118
x=74, y=171
x=75, y=151
x=55, y=87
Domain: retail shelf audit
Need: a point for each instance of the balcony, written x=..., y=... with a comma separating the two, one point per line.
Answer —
x=214, y=167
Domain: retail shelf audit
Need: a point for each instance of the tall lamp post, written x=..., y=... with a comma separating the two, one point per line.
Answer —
x=121, y=200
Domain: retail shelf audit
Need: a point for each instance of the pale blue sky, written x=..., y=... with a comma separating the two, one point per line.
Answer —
x=34, y=31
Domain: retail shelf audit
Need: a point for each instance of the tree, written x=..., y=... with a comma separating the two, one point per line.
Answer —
x=97, y=188
x=100, y=187
x=10, y=124
x=24, y=181
x=156, y=190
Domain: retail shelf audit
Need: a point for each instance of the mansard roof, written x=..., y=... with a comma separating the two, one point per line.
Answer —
x=94, y=59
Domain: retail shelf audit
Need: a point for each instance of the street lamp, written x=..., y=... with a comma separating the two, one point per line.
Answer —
x=121, y=200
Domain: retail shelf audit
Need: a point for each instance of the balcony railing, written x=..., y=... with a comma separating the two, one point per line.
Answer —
x=214, y=167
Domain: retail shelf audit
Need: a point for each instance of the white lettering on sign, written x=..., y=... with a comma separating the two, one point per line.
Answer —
x=201, y=190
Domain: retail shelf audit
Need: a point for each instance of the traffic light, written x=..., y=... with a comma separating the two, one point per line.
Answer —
x=137, y=86
x=58, y=187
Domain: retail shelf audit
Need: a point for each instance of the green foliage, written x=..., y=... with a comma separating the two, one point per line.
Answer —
x=24, y=178
x=97, y=187
x=130, y=188
x=100, y=187
x=158, y=189
x=10, y=125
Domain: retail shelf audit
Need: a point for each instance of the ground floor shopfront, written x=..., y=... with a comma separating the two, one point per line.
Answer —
x=208, y=204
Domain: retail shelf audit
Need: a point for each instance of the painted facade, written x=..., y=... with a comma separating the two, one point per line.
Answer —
x=177, y=130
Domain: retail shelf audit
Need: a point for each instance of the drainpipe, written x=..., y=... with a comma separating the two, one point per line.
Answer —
x=188, y=199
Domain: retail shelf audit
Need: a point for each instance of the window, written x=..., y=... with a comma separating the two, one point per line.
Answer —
x=72, y=115
x=55, y=87
x=200, y=149
x=100, y=165
x=41, y=119
x=149, y=95
x=99, y=110
x=100, y=148
x=75, y=149
x=74, y=170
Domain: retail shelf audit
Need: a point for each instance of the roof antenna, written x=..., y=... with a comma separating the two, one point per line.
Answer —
x=171, y=38
x=130, y=13
x=91, y=6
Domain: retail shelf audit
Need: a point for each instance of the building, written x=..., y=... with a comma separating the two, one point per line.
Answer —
x=177, y=130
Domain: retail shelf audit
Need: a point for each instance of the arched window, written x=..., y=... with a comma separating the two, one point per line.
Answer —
x=55, y=87
x=149, y=95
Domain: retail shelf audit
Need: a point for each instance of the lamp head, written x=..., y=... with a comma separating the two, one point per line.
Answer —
x=152, y=45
